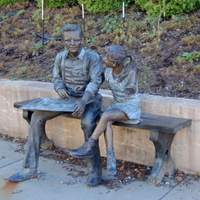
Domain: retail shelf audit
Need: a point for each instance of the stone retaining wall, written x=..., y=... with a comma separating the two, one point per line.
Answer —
x=130, y=144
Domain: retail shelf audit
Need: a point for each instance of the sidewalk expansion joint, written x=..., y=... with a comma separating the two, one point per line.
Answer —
x=168, y=192
x=11, y=163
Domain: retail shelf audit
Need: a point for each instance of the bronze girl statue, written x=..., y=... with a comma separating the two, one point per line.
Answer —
x=126, y=106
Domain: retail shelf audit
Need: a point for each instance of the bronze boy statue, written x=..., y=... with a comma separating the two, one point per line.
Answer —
x=77, y=73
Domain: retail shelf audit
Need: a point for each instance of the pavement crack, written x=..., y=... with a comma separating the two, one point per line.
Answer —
x=11, y=163
x=168, y=192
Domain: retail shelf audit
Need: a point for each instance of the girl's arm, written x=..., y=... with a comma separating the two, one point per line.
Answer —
x=132, y=79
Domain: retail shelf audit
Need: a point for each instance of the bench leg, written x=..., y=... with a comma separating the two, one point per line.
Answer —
x=27, y=115
x=163, y=163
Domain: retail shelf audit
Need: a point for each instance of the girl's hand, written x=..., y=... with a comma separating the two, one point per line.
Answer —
x=131, y=88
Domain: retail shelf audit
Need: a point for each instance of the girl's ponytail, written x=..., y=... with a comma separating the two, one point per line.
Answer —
x=127, y=68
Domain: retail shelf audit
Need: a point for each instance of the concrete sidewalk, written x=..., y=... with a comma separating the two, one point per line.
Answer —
x=55, y=183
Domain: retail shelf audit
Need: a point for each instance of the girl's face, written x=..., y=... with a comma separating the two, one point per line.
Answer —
x=109, y=63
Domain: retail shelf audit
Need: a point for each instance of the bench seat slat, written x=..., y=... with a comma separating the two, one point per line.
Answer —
x=148, y=122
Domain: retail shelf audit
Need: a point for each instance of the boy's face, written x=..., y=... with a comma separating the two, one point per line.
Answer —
x=73, y=42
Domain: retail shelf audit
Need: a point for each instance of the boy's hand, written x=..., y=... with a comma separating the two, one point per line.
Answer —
x=62, y=93
x=79, y=88
x=79, y=108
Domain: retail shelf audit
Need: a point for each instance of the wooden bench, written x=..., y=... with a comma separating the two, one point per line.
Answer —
x=162, y=131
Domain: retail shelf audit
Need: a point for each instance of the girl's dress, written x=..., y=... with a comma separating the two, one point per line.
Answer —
x=123, y=100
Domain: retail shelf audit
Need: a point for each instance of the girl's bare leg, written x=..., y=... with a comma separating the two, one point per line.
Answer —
x=105, y=124
x=108, y=116
x=108, y=134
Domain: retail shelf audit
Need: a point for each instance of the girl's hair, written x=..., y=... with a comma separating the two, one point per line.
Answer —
x=118, y=54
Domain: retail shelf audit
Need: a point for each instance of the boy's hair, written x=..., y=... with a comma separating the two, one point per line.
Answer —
x=71, y=27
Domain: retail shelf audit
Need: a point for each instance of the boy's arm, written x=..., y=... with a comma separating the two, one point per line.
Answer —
x=103, y=67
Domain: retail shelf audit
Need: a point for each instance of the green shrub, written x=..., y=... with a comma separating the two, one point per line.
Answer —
x=100, y=6
x=55, y=3
x=21, y=12
x=6, y=2
x=168, y=7
x=191, y=57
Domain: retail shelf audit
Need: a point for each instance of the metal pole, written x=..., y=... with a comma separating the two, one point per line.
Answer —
x=43, y=22
x=83, y=17
x=123, y=12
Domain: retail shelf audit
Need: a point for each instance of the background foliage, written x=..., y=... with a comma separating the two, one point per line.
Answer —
x=101, y=6
x=55, y=3
x=6, y=2
x=166, y=52
x=168, y=7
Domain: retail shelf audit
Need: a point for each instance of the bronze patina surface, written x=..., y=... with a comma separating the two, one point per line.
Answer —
x=52, y=104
